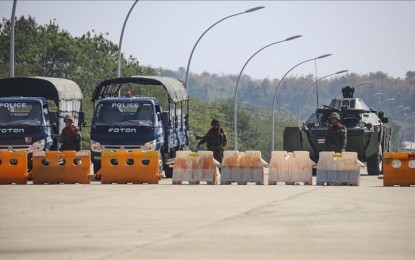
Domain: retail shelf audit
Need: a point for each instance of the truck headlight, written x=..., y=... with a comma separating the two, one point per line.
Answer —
x=95, y=146
x=317, y=124
x=150, y=145
x=38, y=146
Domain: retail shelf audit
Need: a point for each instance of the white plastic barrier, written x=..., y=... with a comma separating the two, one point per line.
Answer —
x=195, y=168
x=242, y=167
x=291, y=168
x=338, y=169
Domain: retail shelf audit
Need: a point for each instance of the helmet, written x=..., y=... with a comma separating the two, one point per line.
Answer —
x=335, y=115
x=68, y=117
x=214, y=122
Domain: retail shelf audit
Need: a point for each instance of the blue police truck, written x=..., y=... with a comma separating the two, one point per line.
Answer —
x=140, y=113
x=32, y=111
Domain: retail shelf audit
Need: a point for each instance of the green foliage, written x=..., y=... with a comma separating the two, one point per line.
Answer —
x=47, y=50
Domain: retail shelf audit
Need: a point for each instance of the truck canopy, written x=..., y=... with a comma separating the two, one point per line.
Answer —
x=55, y=89
x=110, y=88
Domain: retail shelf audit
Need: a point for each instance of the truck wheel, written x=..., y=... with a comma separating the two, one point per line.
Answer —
x=374, y=164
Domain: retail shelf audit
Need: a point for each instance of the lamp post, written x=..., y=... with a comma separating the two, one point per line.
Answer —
x=309, y=87
x=121, y=36
x=12, y=39
x=197, y=42
x=276, y=92
x=235, y=128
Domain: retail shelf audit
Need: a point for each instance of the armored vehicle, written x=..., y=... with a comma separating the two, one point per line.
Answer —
x=368, y=131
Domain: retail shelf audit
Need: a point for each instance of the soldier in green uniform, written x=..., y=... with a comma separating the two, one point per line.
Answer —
x=336, y=135
x=215, y=140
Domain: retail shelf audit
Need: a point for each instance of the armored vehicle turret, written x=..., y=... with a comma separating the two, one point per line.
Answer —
x=368, y=133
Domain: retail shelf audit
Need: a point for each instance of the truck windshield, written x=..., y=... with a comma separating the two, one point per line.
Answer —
x=125, y=113
x=15, y=113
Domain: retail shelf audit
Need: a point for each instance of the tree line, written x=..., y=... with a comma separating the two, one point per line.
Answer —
x=48, y=50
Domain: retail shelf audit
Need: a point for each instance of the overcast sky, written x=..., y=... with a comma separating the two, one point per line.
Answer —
x=362, y=36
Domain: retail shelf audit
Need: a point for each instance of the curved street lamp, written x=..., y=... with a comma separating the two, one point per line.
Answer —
x=12, y=39
x=309, y=87
x=362, y=83
x=237, y=83
x=376, y=94
x=121, y=36
x=197, y=42
x=276, y=92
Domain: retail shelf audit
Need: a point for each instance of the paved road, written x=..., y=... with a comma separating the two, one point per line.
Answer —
x=205, y=221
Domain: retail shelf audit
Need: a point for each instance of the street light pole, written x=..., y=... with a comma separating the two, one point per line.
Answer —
x=197, y=42
x=309, y=87
x=237, y=83
x=201, y=36
x=121, y=36
x=12, y=39
x=276, y=92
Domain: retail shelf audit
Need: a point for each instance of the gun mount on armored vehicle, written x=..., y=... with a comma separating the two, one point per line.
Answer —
x=368, y=133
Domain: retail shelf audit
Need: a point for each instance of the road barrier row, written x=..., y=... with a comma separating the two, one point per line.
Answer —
x=137, y=167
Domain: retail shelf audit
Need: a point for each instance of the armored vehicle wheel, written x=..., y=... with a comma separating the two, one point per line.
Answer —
x=374, y=164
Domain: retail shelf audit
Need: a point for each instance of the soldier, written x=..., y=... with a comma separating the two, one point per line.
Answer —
x=70, y=136
x=336, y=135
x=215, y=139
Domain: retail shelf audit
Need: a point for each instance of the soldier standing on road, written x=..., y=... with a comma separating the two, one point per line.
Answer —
x=215, y=139
x=70, y=136
x=336, y=135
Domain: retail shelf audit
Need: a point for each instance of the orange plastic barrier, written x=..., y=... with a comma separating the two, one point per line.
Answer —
x=13, y=167
x=195, y=168
x=135, y=167
x=398, y=169
x=56, y=167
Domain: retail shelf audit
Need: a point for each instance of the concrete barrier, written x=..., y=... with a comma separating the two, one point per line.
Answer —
x=291, y=168
x=398, y=169
x=195, y=168
x=68, y=167
x=13, y=167
x=338, y=169
x=134, y=167
x=242, y=167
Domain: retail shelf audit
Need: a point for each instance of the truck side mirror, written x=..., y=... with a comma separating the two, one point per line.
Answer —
x=53, y=117
x=382, y=117
x=81, y=119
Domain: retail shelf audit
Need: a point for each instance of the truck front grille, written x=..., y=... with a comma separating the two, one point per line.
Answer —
x=15, y=147
x=122, y=147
